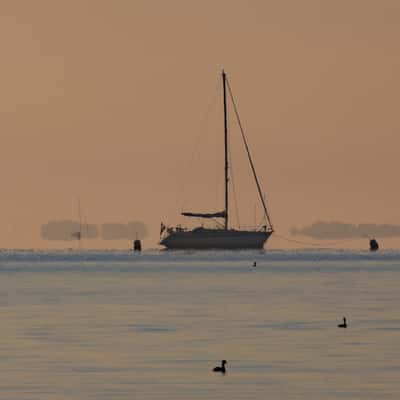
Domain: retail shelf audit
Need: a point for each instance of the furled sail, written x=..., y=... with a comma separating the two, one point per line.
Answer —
x=220, y=214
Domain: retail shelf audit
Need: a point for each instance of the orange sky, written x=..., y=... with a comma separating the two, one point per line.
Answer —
x=105, y=99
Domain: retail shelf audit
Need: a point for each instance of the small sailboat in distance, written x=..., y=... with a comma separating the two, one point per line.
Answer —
x=222, y=236
x=78, y=234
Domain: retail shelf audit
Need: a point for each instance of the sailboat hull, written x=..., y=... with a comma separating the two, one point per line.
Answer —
x=206, y=239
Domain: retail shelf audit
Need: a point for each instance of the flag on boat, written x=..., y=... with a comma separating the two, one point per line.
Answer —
x=162, y=228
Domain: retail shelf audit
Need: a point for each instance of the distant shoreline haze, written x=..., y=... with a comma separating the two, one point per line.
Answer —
x=341, y=230
x=68, y=230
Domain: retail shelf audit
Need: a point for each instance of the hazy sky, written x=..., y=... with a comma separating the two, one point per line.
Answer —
x=105, y=99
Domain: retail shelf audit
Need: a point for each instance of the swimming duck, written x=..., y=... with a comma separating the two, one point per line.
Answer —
x=221, y=368
x=344, y=325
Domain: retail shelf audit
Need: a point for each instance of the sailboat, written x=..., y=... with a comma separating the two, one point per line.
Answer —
x=222, y=236
x=78, y=234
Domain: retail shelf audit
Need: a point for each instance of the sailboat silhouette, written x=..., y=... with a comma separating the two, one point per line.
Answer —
x=223, y=236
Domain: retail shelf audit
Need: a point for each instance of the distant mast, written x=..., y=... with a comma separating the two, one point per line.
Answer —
x=226, y=149
x=80, y=221
x=78, y=234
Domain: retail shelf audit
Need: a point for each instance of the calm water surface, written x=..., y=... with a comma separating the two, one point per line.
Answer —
x=118, y=325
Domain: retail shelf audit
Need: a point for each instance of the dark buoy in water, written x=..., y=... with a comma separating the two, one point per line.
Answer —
x=254, y=264
x=137, y=245
x=373, y=245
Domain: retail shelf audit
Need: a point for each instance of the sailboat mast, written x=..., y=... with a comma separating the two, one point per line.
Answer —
x=80, y=221
x=226, y=149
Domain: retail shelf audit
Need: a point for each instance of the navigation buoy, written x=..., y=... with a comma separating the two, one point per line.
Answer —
x=137, y=245
x=254, y=264
x=373, y=245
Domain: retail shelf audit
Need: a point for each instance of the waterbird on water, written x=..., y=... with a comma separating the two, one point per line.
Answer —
x=221, y=368
x=344, y=325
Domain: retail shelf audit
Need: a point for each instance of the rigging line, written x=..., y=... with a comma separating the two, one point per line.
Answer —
x=316, y=244
x=217, y=176
x=218, y=223
x=249, y=156
x=263, y=220
x=233, y=187
x=190, y=162
x=79, y=214
x=87, y=227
